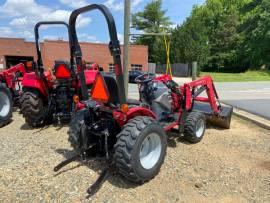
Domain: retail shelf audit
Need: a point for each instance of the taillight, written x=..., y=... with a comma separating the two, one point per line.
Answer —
x=62, y=71
x=99, y=91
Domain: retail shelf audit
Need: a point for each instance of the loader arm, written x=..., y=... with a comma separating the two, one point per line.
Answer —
x=18, y=68
x=9, y=74
x=114, y=47
x=203, y=84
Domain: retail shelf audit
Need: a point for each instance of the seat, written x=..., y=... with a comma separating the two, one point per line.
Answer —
x=62, y=70
x=112, y=88
x=59, y=62
x=111, y=84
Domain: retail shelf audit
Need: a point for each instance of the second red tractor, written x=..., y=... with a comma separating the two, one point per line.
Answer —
x=50, y=95
x=10, y=90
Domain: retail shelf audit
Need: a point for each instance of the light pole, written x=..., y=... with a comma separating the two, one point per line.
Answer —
x=127, y=34
x=126, y=44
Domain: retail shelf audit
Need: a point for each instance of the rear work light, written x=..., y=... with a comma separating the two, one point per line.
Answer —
x=100, y=91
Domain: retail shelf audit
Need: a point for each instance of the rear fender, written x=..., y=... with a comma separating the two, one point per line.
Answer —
x=123, y=118
x=139, y=111
x=30, y=80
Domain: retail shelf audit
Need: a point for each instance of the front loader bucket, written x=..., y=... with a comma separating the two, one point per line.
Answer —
x=222, y=119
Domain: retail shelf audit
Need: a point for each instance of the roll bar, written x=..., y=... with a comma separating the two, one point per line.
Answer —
x=114, y=47
x=37, y=26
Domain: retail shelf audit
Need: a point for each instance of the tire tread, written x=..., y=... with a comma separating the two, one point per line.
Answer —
x=32, y=108
x=7, y=119
x=126, y=140
x=190, y=126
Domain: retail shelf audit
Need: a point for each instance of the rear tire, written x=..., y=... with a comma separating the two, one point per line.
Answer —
x=33, y=108
x=76, y=128
x=5, y=105
x=140, y=149
x=194, y=128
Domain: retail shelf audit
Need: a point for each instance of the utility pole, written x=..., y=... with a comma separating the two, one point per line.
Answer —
x=194, y=70
x=126, y=44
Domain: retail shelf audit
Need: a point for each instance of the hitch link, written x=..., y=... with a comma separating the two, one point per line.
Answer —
x=66, y=162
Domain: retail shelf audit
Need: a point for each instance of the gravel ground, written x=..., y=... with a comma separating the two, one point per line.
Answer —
x=227, y=166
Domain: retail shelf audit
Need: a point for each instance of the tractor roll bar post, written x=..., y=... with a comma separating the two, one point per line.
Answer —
x=39, y=57
x=114, y=47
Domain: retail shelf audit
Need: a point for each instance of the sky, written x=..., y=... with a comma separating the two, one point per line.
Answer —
x=18, y=17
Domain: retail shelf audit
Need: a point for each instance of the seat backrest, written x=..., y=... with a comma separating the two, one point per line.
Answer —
x=111, y=84
x=62, y=70
x=59, y=62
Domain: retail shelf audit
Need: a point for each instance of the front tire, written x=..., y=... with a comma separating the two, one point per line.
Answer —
x=195, y=126
x=140, y=149
x=5, y=105
x=33, y=108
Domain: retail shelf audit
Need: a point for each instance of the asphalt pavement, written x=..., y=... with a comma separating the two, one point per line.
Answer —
x=253, y=97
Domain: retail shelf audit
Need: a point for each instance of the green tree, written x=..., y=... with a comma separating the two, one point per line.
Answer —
x=190, y=40
x=152, y=20
x=223, y=21
x=210, y=36
x=255, y=31
x=222, y=35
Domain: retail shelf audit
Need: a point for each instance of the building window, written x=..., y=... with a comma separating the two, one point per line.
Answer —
x=136, y=67
x=111, y=67
x=88, y=64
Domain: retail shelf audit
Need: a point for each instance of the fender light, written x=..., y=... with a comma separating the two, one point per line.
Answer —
x=124, y=108
x=62, y=71
x=76, y=99
x=100, y=91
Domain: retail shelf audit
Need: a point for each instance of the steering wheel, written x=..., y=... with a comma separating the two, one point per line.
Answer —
x=144, y=78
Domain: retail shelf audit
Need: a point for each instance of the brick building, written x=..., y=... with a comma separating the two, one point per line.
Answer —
x=15, y=50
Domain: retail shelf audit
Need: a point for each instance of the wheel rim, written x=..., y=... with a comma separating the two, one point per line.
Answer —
x=150, y=151
x=4, y=104
x=199, y=128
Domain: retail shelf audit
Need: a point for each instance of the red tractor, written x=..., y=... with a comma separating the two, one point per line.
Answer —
x=10, y=90
x=50, y=95
x=132, y=135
